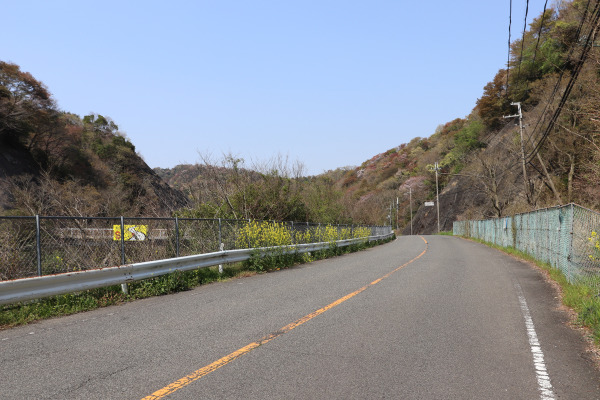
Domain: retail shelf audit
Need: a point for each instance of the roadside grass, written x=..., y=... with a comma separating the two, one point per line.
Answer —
x=72, y=303
x=23, y=313
x=582, y=297
x=446, y=233
x=278, y=261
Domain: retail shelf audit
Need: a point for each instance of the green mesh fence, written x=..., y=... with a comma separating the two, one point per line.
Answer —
x=567, y=237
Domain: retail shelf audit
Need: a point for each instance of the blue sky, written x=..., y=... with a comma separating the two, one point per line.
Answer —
x=329, y=83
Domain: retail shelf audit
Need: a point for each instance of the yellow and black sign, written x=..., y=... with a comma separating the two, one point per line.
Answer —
x=132, y=232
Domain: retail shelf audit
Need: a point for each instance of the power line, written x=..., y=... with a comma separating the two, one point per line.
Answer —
x=531, y=139
x=537, y=45
x=562, y=71
x=508, y=60
x=574, y=75
x=539, y=35
x=520, y=59
x=522, y=41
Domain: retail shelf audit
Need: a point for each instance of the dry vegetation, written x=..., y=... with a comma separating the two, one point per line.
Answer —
x=69, y=165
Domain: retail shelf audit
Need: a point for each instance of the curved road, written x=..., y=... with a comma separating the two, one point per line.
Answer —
x=429, y=317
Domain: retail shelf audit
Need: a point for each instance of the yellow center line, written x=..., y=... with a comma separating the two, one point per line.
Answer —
x=194, y=376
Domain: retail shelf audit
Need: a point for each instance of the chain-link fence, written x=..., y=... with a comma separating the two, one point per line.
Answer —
x=42, y=245
x=567, y=237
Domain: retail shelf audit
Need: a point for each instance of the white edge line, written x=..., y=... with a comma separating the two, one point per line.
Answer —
x=541, y=372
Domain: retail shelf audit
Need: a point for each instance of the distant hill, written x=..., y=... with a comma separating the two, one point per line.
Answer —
x=554, y=76
x=181, y=176
x=56, y=163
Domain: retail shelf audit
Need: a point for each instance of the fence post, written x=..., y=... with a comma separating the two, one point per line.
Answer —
x=558, y=237
x=176, y=237
x=570, y=256
x=220, y=243
x=548, y=239
x=122, y=241
x=38, y=245
x=293, y=234
x=248, y=236
x=124, y=287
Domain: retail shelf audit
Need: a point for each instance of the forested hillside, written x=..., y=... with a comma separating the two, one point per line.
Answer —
x=55, y=162
x=553, y=75
x=276, y=189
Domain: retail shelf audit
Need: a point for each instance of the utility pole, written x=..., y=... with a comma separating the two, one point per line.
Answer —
x=436, y=168
x=410, y=201
x=437, y=193
x=520, y=115
x=397, y=204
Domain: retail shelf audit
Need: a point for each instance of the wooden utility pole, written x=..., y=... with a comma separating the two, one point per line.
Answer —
x=437, y=194
x=436, y=168
x=397, y=206
x=410, y=201
x=525, y=180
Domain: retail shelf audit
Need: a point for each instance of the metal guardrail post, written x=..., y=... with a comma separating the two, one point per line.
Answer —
x=221, y=248
x=38, y=245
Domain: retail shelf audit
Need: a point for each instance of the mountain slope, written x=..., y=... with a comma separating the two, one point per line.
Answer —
x=56, y=163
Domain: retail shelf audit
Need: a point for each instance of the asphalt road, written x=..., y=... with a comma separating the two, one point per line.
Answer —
x=451, y=319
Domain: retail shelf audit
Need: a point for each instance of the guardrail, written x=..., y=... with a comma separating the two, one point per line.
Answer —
x=51, y=285
x=46, y=245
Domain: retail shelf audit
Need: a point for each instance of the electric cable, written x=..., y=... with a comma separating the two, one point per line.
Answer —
x=539, y=35
x=530, y=139
x=522, y=41
x=574, y=75
x=508, y=60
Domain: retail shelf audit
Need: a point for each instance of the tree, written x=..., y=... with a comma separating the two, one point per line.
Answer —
x=495, y=181
x=464, y=141
x=323, y=201
x=25, y=104
x=538, y=53
x=494, y=103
